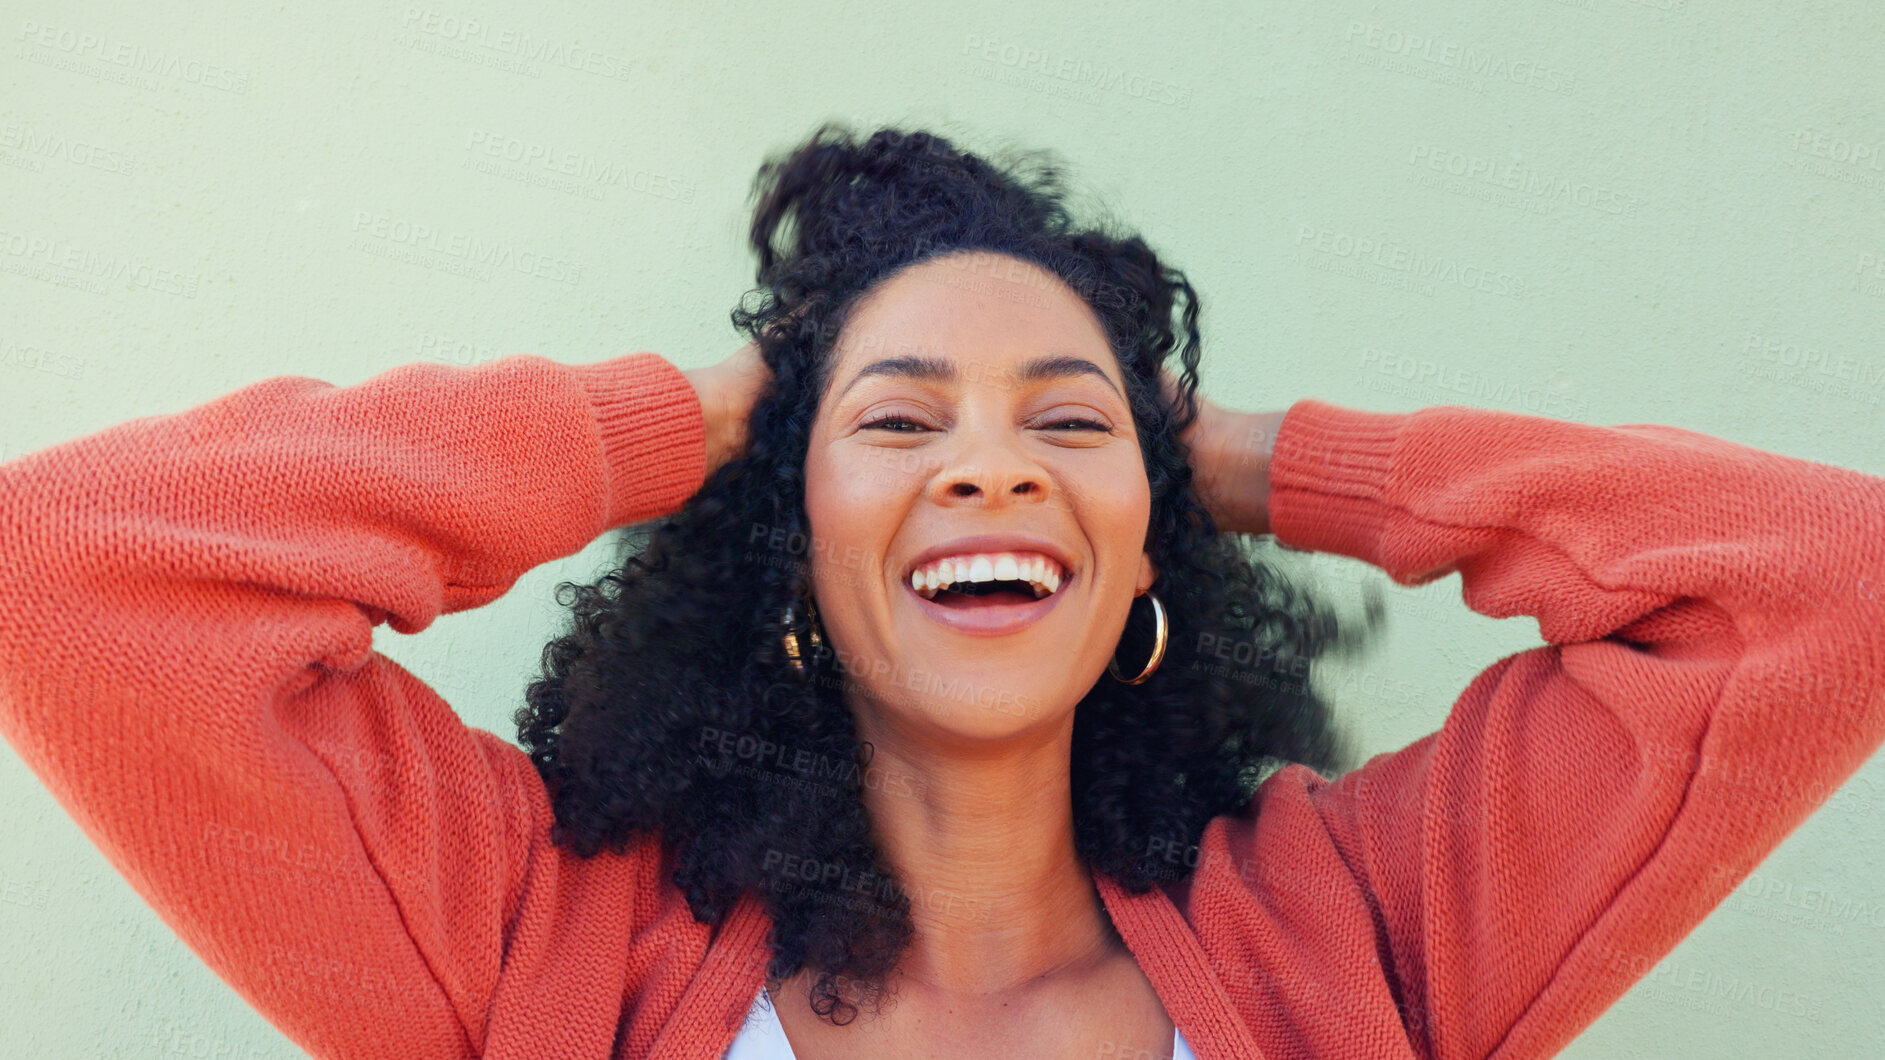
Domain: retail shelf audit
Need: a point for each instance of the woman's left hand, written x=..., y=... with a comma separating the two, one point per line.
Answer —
x=1230, y=463
x=727, y=391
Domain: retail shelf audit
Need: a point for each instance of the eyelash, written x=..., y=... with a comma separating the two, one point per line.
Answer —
x=1081, y=421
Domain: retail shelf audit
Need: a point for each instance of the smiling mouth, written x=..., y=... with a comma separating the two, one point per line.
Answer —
x=989, y=594
x=984, y=579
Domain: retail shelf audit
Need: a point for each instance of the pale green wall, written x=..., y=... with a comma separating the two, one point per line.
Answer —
x=1666, y=199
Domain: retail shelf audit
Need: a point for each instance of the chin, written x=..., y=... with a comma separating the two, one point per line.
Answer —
x=969, y=706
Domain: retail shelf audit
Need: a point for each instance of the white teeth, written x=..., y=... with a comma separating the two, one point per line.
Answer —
x=1042, y=574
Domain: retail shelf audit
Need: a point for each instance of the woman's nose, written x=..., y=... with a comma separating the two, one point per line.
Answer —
x=989, y=475
x=973, y=483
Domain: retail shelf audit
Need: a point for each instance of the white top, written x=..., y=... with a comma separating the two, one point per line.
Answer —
x=762, y=1037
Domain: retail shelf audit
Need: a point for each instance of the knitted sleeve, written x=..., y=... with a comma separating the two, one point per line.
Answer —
x=1713, y=668
x=186, y=622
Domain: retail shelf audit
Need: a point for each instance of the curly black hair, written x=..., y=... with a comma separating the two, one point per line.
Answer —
x=671, y=706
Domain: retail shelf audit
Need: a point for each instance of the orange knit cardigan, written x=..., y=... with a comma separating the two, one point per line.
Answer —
x=187, y=606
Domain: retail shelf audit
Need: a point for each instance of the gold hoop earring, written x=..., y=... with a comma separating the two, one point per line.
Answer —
x=790, y=640
x=1160, y=631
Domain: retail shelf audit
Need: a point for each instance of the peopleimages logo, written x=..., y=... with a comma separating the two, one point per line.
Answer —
x=1395, y=257
x=587, y=171
x=98, y=47
x=1512, y=174
x=1426, y=374
x=35, y=145
x=1056, y=66
x=83, y=266
x=469, y=253
x=1466, y=58
x=22, y=355
x=1867, y=155
x=476, y=33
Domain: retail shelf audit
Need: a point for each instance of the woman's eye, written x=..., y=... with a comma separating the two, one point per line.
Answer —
x=902, y=424
x=905, y=425
x=1079, y=423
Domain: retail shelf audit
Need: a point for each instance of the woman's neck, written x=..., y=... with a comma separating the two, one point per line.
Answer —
x=981, y=839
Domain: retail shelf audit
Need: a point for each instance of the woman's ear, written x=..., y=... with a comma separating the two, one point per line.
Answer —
x=1148, y=573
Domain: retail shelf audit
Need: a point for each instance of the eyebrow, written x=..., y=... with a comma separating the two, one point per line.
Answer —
x=938, y=370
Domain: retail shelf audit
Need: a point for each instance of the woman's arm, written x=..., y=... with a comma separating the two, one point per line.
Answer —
x=186, y=626
x=1714, y=669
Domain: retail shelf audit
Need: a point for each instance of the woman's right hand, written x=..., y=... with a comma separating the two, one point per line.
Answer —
x=727, y=391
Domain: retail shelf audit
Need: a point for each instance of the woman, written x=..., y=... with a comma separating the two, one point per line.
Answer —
x=855, y=731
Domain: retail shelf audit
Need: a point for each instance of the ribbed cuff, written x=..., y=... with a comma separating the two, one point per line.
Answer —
x=654, y=439
x=1329, y=478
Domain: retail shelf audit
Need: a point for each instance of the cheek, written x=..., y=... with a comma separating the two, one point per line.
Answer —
x=854, y=508
x=1115, y=509
x=842, y=480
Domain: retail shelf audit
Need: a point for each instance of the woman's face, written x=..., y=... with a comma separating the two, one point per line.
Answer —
x=977, y=498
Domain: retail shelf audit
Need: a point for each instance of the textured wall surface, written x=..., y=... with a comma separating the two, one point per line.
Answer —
x=1613, y=211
